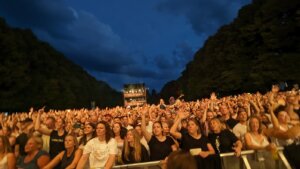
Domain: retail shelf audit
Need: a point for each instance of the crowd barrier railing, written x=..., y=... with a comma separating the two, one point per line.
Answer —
x=244, y=162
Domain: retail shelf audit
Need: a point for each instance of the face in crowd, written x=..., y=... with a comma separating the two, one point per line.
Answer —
x=157, y=129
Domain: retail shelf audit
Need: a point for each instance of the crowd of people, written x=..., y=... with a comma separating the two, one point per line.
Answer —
x=197, y=131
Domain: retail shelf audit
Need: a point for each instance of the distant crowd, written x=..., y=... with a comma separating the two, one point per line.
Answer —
x=175, y=132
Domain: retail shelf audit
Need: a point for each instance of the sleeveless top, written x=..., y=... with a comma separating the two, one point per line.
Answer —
x=65, y=161
x=264, y=143
x=31, y=164
x=56, y=143
x=3, y=162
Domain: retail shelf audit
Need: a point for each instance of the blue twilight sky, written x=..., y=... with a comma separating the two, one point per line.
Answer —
x=124, y=41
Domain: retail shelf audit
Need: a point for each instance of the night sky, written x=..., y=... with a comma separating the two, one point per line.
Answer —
x=124, y=41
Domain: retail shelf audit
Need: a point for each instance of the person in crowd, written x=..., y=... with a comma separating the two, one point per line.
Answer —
x=256, y=140
x=133, y=151
x=102, y=150
x=240, y=129
x=143, y=141
x=160, y=145
x=226, y=116
x=21, y=140
x=35, y=157
x=194, y=142
x=180, y=160
x=57, y=137
x=118, y=134
x=223, y=141
x=69, y=158
x=88, y=133
x=7, y=131
x=7, y=157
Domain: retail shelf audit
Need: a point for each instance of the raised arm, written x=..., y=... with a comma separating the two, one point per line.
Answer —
x=174, y=132
x=146, y=134
x=37, y=126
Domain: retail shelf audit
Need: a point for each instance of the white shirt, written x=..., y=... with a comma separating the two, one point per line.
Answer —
x=239, y=130
x=100, y=151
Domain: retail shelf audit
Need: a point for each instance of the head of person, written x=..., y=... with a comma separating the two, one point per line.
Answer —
x=242, y=115
x=184, y=123
x=193, y=126
x=132, y=139
x=157, y=128
x=224, y=110
x=117, y=120
x=89, y=128
x=163, y=119
x=50, y=122
x=6, y=130
x=71, y=142
x=166, y=128
x=209, y=115
x=215, y=125
x=33, y=144
x=103, y=130
x=60, y=123
x=116, y=128
x=181, y=160
x=255, y=124
x=282, y=115
x=4, y=144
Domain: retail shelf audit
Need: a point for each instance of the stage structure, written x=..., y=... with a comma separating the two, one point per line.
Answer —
x=134, y=94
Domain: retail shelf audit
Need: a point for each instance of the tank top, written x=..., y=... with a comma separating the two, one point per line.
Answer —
x=65, y=161
x=3, y=162
x=264, y=143
x=56, y=143
x=31, y=164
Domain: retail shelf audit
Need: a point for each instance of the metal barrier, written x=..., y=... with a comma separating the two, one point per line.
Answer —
x=139, y=165
x=243, y=161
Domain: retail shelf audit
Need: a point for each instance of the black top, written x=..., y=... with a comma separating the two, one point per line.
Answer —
x=31, y=164
x=21, y=140
x=188, y=142
x=231, y=122
x=65, y=161
x=223, y=141
x=144, y=155
x=160, y=150
x=56, y=143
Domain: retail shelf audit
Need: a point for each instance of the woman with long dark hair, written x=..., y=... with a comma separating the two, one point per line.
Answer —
x=102, y=150
x=194, y=142
x=160, y=145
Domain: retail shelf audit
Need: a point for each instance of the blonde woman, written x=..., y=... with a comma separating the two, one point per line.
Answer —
x=133, y=150
x=7, y=158
x=68, y=158
x=36, y=158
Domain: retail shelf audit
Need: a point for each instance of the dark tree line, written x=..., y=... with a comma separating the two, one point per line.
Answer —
x=259, y=48
x=32, y=73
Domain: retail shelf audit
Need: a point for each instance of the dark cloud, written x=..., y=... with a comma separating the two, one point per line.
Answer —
x=142, y=50
x=205, y=16
x=78, y=34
